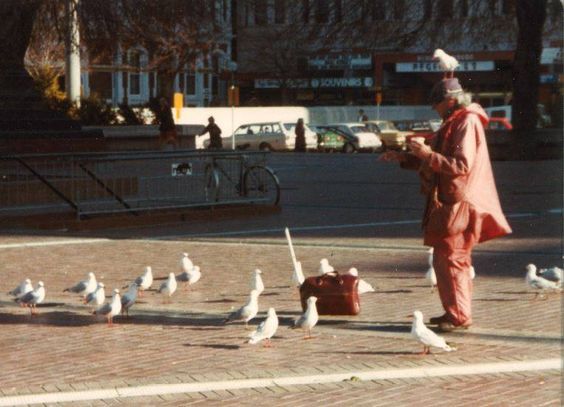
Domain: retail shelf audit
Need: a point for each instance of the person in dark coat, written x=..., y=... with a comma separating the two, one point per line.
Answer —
x=300, y=136
x=168, y=138
x=215, y=134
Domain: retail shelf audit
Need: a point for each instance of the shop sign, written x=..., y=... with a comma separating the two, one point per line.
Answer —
x=332, y=62
x=355, y=82
x=551, y=56
x=429, y=66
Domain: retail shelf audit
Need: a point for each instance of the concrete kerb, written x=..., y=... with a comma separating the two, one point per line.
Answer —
x=371, y=375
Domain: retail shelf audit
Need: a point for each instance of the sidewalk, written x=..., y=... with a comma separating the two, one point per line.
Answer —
x=64, y=348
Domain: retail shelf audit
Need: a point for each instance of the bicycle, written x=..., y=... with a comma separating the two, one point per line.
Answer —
x=254, y=182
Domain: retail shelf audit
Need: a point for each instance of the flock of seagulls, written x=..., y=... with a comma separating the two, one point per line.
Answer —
x=92, y=293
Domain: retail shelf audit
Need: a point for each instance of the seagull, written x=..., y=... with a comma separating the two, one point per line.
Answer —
x=256, y=281
x=266, y=329
x=553, y=274
x=247, y=311
x=446, y=62
x=539, y=283
x=145, y=281
x=169, y=286
x=325, y=267
x=129, y=298
x=97, y=297
x=430, y=274
x=427, y=337
x=190, y=277
x=22, y=289
x=110, y=309
x=363, y=286
x=84, y=287
x=32, y=298
x=308, y=319
x=298, y=275
x=185, y=263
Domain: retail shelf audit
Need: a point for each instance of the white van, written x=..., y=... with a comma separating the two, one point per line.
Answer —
x=267, y=136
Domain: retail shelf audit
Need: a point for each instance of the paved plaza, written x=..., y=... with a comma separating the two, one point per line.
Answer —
x=352, y=210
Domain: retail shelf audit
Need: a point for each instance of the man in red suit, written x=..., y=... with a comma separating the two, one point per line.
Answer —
x=462, y=206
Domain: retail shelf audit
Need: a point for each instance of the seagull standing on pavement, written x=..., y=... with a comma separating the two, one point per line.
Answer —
x=145, y=281
x=186, y=264
x=129, y=298
x=247, y=311
x=266, y=329
x=190, y=277
x=363, y=286
x=169, y=286
x=553, y=274
x=32, y=298
x=97, y=297
x=538, y=283
x=110, y=309
x=22, y=289
x=427, y=337
x=256, y=281
x=325, y=267
x=308, y=319
x=84, y=287
x=447, y=63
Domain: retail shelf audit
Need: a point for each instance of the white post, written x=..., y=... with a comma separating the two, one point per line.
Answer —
x=72, y=53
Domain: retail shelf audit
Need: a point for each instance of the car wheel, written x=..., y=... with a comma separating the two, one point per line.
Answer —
x=348, y=148
x=265, y=147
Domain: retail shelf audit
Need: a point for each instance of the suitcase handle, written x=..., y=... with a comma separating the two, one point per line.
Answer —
x=333, y=274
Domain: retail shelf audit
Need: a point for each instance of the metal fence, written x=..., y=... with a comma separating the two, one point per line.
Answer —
x=130, y=181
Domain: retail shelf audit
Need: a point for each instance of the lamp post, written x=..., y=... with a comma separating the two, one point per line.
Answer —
x=232, y=69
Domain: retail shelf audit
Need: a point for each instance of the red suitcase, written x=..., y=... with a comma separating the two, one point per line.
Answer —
x=337, y=294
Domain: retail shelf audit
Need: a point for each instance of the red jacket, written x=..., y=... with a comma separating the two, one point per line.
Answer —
x=459, y=170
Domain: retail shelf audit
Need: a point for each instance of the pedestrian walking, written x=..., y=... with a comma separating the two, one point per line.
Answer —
x=215, y=134
x=299, y=131
x=168, y=138
x=462, y=206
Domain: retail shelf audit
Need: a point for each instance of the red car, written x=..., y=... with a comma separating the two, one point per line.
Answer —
x=499, y=123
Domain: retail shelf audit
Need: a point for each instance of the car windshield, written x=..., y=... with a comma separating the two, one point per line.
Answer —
x=387, y=126
x=359, y=129
x=289, y=126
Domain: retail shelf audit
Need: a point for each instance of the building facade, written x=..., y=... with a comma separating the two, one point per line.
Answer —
x=380, y=51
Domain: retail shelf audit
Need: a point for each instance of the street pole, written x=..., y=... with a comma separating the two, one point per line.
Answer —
x=72, y=53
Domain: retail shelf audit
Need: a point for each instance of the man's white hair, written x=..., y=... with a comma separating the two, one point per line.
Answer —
x=462, y=98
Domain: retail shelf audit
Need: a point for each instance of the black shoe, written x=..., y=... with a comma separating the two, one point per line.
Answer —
x=438, y=320
x=450, y=327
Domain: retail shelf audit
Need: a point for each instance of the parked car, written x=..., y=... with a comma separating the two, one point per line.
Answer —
x=359, y=137
x=391, y=137
x=418, y=128
x=330, y=138
x=266, y=136
x=499, y=123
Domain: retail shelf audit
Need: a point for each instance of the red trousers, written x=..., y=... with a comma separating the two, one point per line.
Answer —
x=452, y=261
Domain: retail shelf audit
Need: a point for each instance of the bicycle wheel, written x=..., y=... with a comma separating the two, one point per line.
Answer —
x=262, y=184
x=211, y=184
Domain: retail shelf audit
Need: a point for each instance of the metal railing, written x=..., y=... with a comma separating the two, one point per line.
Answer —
x=132, y=181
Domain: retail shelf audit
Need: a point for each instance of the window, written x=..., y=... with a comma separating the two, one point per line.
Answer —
x=190, y=83
x=280, y=11
x=321, y=11
x=305, y=11
x=260, y=12
x=134, y=62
